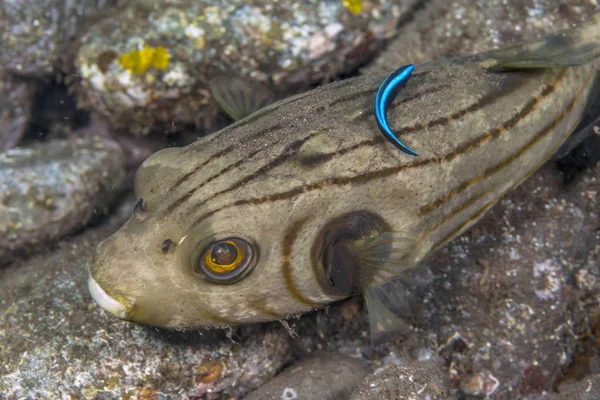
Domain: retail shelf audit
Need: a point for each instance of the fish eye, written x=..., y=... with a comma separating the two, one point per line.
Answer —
x=225, y=261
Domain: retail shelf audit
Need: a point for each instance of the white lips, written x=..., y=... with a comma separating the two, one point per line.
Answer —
x=105, y=301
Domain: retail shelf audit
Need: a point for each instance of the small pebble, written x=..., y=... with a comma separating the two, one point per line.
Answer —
x=415, y=381
x=210, y=371
x=322, y=377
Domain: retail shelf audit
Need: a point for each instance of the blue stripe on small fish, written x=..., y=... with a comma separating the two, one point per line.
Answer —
x=386, y=94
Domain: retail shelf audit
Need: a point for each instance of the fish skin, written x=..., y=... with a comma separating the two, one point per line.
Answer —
x=284, y=173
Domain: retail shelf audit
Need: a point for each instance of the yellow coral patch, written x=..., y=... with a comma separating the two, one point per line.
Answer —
x=354, y=6
x=138, y=61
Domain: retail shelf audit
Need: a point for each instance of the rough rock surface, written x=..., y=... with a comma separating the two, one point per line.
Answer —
x=16, y=101
x=586, y=389
x=313, y=378
x=53, y=189
x=56, y=343
x=414, y=380
x=442, y=29
x=37, y=37
x=508, y=301
x=511, y=307
x=286, y=43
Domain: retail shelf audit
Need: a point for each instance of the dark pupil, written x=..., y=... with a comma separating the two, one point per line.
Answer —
x=224, y=253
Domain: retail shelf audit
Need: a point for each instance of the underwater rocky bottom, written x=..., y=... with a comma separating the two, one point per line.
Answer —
x=511, y=309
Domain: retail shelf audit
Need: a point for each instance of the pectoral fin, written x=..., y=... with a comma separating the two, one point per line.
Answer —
x=381, y=301
x=381, y=259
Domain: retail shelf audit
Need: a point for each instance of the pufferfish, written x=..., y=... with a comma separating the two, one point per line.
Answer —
x=304, y=202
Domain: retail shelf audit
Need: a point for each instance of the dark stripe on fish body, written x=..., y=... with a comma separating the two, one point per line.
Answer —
x=539, y=136
x=476, y=106
x=288, y=152
x=467, y=221
x=466, y=204
x=280, y=159
x=313, y=160
x=215, y=157
x=262, y=113
x=288, y=243
x=369, y=94
x=223, y=171
x=487, y=100
x=489, y=204
x=382, y=173
x=257, y=115
x=440, y=121
x=511, y=123
x=353, y=96
x=370, y=112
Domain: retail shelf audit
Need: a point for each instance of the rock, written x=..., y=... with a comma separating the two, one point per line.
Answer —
x=414, y=381
x=511, y=307
x=38, y=37
x=53, y=189
x=56, y=343
x=505, y=306
x=586, y=389
x=136, y=149
x=147, y=68
x=326, y=376
x=16, y=102
x=442, y=29
x=507, y=300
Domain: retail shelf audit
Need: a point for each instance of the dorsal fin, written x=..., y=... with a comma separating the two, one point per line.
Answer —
x=240, y=97
x=569, y=47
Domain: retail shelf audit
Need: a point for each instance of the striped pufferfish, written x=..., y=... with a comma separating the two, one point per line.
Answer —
x=304, y=202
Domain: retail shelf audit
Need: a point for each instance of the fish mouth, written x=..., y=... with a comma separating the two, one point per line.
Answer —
x=105, y=301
